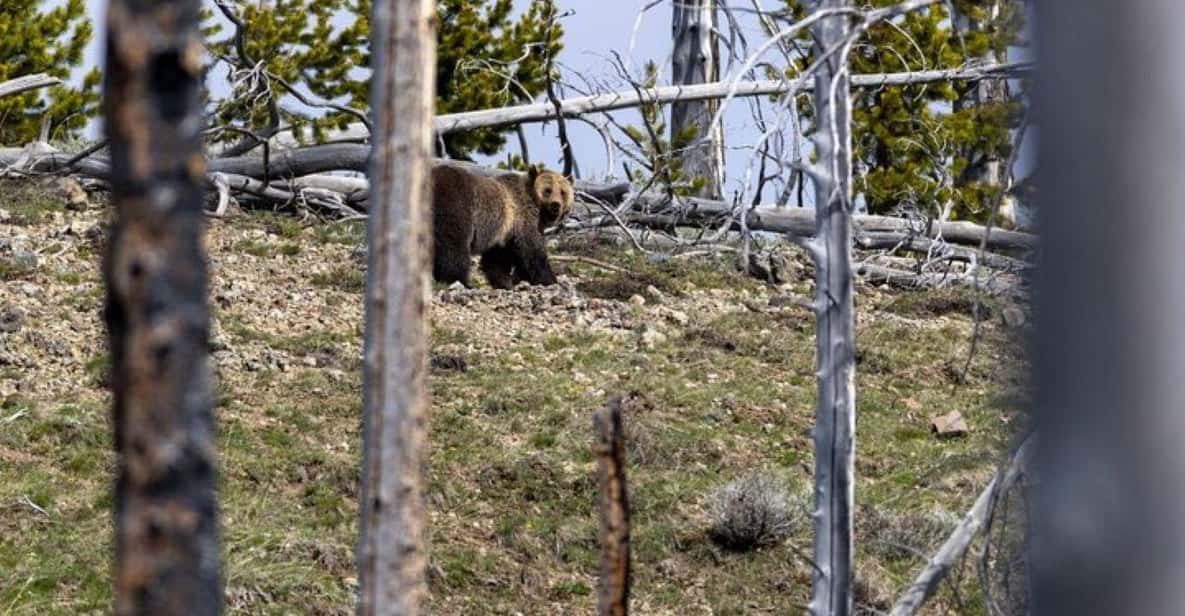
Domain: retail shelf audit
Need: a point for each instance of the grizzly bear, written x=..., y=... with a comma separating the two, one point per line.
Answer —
x=501, y=218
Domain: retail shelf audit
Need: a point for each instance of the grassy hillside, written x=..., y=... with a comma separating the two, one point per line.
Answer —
x=718, y=368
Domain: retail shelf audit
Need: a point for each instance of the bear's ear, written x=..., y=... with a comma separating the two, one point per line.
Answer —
x=533, y=172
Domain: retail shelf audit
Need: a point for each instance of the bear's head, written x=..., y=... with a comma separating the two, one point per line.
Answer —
x=553, y=194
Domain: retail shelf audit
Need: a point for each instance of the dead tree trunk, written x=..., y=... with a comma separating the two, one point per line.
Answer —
x=613, y=597
x=986, y=168
x=166, y=510
x=1109, y=495
x=696, y=60
x=835, y=422
x=392, y=556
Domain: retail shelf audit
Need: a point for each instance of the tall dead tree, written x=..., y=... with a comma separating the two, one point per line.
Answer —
x=392, y=556
x=1109, y=495
x=166, y=511
x=835, y=421
x=696, y=60
x=987, y=167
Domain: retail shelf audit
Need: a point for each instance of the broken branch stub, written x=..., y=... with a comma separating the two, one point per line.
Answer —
x=613, y=593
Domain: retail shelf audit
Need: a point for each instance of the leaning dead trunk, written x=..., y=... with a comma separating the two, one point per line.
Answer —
x=392, y=554
x=166, y=511
x=835, y=422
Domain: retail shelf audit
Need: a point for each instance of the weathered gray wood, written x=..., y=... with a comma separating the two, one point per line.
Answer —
x=695, y=60
x=939, y=250
x=1108, y=501
x=903, y=279
x=353, y=157
x=540, y=112
x=801, y=222
x=392, y=551
x=835, y=417
x=545, y=111
x=956, y=544
x=167, y=551
x=23, y=84
x=871, y=231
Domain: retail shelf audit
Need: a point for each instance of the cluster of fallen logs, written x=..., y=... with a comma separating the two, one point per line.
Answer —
x=310, y=178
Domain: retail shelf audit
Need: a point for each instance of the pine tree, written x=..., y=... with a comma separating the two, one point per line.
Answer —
x=913, y=145
x=486, y=58
x=35, y=41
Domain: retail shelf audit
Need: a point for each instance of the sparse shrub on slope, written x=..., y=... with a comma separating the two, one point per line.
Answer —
x=754, y=511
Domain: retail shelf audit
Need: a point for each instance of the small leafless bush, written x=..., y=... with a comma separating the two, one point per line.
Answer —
x=754, y=511
x=904, y=535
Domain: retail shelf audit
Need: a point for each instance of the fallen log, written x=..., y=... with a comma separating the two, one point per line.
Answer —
x=312, y=160
x=940, y=250
x=612, y=101
x=353, y=157
x=798, y=222
x=904, y=279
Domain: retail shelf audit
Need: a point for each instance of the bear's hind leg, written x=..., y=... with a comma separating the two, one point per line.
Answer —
x=451, y=264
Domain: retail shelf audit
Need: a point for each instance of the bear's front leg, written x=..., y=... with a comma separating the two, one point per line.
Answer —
x=496, y=264
x=531, y=262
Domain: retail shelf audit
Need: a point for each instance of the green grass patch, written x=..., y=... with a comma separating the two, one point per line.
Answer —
x=512, y=476
x=29, y=203
x=343, y=278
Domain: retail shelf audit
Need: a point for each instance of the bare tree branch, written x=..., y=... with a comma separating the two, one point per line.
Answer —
x=21, y=85
x=956, y=545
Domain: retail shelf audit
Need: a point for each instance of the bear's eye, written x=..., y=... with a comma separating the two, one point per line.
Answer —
x=546, y=192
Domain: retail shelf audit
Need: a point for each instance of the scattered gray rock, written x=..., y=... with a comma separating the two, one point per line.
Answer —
x=11, y=320
x=651, y=337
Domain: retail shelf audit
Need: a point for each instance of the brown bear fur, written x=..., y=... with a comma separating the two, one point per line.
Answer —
x=501, y=218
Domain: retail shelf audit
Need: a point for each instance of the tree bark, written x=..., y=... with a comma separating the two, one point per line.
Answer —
x=614, y=592
x=695, y=60
x=986, y=167
x=166, y=511
x=392, y=554
x=835, y=422
x=1109, y=493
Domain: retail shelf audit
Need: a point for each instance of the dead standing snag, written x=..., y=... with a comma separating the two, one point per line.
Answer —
x=166, y=515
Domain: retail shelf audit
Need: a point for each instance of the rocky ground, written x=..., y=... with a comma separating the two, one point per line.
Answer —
x=718, y=366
